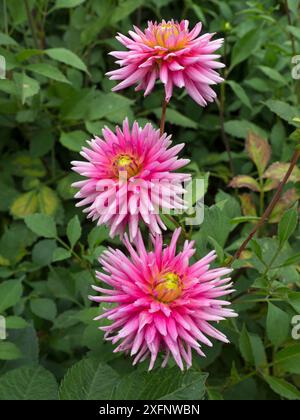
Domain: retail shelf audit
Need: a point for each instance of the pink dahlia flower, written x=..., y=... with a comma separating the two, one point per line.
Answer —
x=161, y=302
x=169, y=51
x=129, y=178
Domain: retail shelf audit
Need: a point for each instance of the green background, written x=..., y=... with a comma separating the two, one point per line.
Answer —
x=54, y=97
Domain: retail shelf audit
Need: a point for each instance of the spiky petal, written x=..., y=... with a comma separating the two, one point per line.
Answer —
x=130, y=179
x=169, y=51
x=163, y=304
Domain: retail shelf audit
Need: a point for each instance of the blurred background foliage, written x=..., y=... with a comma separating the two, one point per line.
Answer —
x=54, y=97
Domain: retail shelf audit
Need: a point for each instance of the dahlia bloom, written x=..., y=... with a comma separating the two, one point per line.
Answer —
x=129, y=178
x=161, y=302
x=169, y=51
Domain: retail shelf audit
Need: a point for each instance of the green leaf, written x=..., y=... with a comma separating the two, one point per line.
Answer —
x=42, y=225
x=278, y=325
x=168, y=384
x=245, y=181
x=240, y=93
x=7, y=40
x=42, y=252
x=10, y=293
x=9, y=351
x=47, y=70
x=47, y=200
x=245, y=47
x=282, y=109
x=252, y=348
x=60, y=254
x=273, y=74
x=283, y=388
x=67, y=57
x=67, y=4
x=44, y=308
x=288, y=359
x=175, y=117
x=89, y=380
x=108, y=106
x=24, y=205
x=27, y=86
x=278, y=170
x=74, y=230
x=294, y=297
x=288, y=225
x=15, y=323
x=28, y=383
x=124, y=9
x=73, y=140
x=259, y=151
x=240, y=129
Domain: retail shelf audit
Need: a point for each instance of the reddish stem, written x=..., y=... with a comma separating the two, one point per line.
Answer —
x=163, y=117
x=271, y=206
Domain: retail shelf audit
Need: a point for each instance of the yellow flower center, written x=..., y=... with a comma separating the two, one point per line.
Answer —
x=164, y=31
x=126, y=163
x=167, y=288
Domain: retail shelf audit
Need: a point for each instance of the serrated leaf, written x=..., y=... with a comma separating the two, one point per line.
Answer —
x=74, y=230
x=15, y=323
x=278, y=170
x=245, y=46
x=259, y=151
x=7, y=40
x=44, y=308
x=9, y=351
x=42, y=225
x=24, y=205
x=49, y=71
x=248, y=206
x=287, y=225
x=169, y=384
x=60, y=254
x=67, y=4
x=245, y=181
x=73, y=140
x=273, y=74
x=177, y=118
x=252, y=348
x=288, y=359
x=283, y=388
x=28, y=383
x=240, y=93
x=48, y=201
x=89, y=380
x=10, y=294
x=66, y=56
x=27, y=86
x=278, y=325
x=282, y=109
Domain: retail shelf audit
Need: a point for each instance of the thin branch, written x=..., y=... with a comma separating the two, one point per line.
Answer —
x=31, y=24
x=163, y=117
x=5, y=17
x=288, y=13
x=271, y=206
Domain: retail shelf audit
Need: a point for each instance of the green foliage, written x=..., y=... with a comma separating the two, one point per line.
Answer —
x=54, y=98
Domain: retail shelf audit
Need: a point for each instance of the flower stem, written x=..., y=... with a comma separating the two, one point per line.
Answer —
x=163, y=117
x=271, y=206
x=31, y=24
x=288, y=13
x=5, y=17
